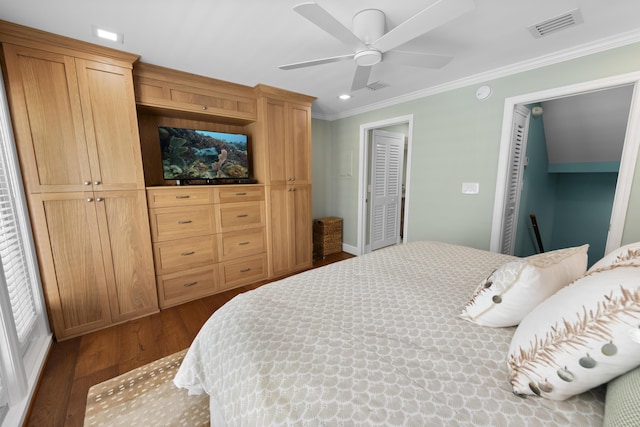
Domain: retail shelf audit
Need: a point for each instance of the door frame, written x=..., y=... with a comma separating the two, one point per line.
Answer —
x=627, y=161
x=363, y=173
x=400, y=143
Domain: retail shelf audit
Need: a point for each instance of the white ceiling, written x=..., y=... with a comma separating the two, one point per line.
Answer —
x=244, y=41
x=587, y=128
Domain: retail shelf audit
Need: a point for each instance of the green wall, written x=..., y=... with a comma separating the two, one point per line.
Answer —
x=456, y=139
x=321, y=168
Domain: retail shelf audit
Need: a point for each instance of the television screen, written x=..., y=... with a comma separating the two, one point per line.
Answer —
x=200, y=154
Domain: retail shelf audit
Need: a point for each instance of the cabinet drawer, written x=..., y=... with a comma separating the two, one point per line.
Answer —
x=236, y=244
x=239, y=216
x=183, y=254
x=239, y=194
x=179, y=196
x=176, y=288
x=243, y=271
x=176, y=223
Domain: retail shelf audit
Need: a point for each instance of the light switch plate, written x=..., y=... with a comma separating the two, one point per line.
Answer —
x=470, y=187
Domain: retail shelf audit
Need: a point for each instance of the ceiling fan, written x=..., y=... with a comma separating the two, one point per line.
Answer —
x=372, y=45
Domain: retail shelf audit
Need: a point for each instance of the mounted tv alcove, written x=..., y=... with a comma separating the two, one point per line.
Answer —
x=193, y=129
x=183, y=151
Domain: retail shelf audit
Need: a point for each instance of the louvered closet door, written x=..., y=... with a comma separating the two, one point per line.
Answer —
x=514, y=184
x=386, y=188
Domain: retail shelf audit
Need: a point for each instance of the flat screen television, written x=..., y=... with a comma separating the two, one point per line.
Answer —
x=191, y=154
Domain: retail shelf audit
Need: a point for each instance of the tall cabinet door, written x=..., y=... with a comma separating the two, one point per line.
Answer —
x=290, y=238
x=278, y=219
x=110, y=125
x=299, y=143
x=289, y=138
x=127, y=253
x=70, y=256
x=47, y=118
x=302, y=227
x=279, y=171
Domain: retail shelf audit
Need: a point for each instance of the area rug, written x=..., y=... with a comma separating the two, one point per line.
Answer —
x=146, y=396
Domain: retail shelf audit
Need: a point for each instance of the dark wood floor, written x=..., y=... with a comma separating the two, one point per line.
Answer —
x=75, y=365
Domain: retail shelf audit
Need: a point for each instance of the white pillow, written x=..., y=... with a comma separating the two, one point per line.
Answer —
x=517, y=287
x=581, y=337
x=628, y=255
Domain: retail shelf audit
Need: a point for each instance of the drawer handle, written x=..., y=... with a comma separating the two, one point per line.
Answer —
x=182, y=197
x=187, y=285
x=243, y=243
x=246, y=270
x=185, y=222
x=187, y=253
x=241, y=194
x=242, y=216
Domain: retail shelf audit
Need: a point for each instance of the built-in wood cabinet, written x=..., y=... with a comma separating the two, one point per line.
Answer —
x=75, y=125
x=76, y=122
x=96, y=265
x=283, y=151
x=114, y=240
x=179, y=93
x=206, y=239
x=291, y=246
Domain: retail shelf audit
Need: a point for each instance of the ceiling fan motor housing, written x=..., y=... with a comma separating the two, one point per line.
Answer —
x=368, y=25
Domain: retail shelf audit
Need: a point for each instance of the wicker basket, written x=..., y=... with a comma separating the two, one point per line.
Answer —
x=327, y=236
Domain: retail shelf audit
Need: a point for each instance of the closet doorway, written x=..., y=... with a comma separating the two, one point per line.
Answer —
x=380, y=224
x=618, y=182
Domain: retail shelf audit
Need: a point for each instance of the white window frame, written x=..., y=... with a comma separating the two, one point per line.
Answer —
x=20, y=365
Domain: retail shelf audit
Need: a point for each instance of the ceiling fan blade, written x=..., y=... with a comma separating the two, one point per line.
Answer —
x=313, y=62
x=439, y=13
x=361, y=78
x=416, y=59
x=316, y=14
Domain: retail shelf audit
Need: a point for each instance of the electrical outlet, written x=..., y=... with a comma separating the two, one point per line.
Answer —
x=470, y=187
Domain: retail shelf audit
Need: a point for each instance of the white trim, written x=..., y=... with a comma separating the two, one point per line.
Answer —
x=20, y=368
x=627, y=164
x=363, y=170
x=625, y=174
x=353, y=250
x=508, y=70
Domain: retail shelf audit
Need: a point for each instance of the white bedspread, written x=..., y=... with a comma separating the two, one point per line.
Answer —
x=371, y=341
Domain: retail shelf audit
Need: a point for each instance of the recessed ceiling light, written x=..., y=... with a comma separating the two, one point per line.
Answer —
x=345, y=96
x=107, y=34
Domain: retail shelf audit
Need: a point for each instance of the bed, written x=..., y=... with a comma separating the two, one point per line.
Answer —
x=375, y=340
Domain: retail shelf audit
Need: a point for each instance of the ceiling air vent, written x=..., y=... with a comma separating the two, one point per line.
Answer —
x=376, y=86
x=558, y=23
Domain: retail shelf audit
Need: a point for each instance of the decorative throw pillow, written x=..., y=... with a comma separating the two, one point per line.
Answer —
x=517, y=287
x=627, y=255
x=582, y=336
x=622, y=405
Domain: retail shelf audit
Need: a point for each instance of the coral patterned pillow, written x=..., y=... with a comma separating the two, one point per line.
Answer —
x=517, y=287
x=582, y=336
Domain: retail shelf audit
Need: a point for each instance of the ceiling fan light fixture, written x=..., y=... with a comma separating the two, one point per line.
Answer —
x=368, y=58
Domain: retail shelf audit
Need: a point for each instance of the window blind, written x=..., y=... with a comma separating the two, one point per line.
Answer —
x=24, y=335
x=12, y=253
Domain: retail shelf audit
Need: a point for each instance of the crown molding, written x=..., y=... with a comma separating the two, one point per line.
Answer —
x=579, y=51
